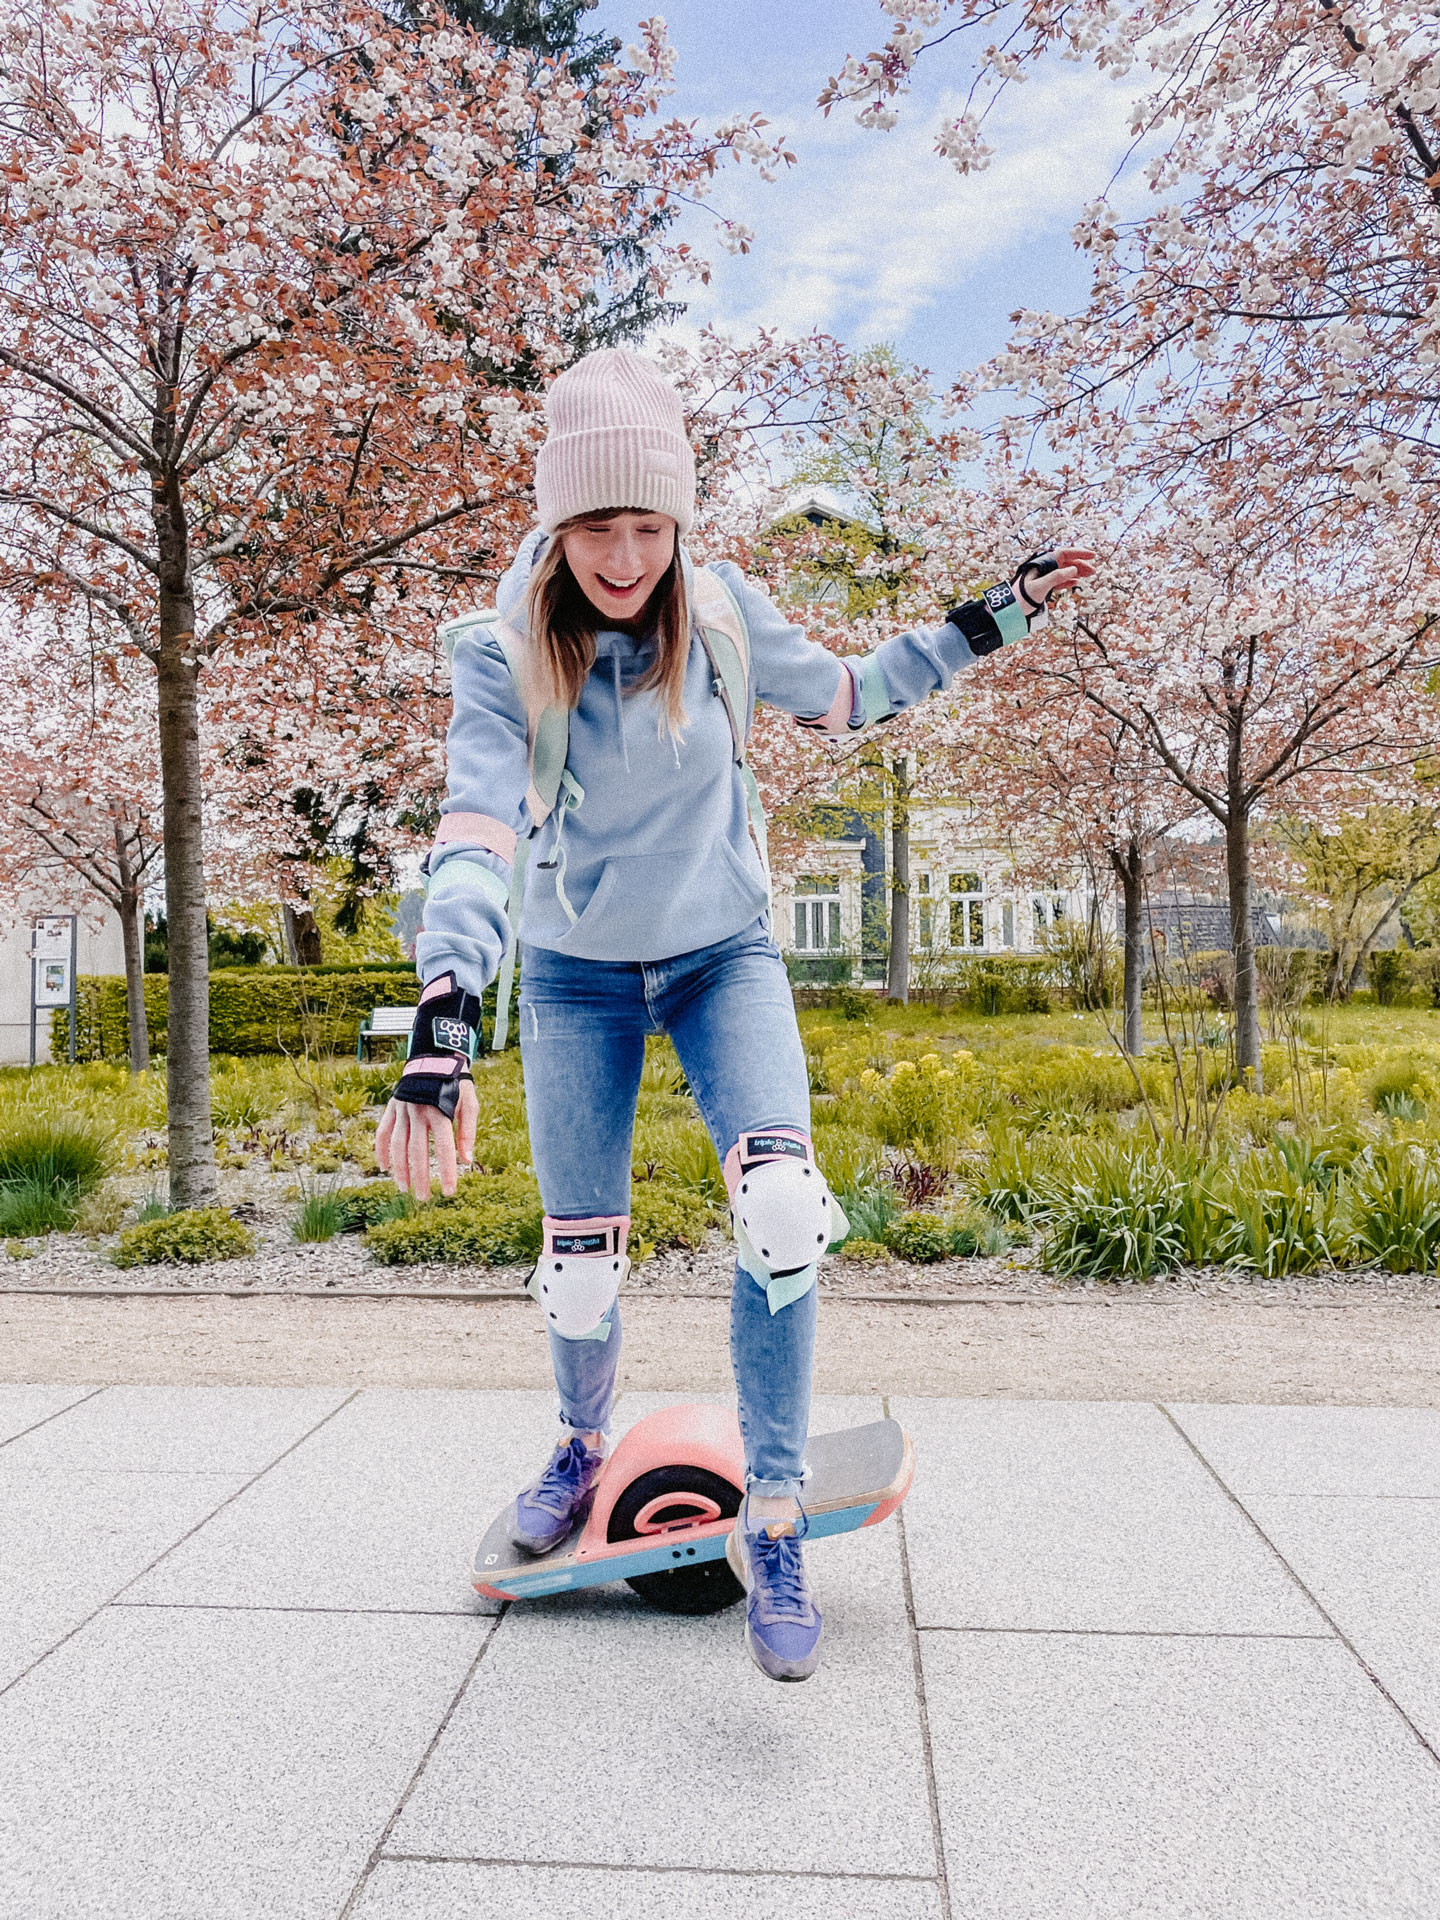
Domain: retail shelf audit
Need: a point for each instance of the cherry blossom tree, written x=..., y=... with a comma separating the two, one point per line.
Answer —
x=1069, y=786
x=1258, y=347
x=278, y=284
x=1255, y=672
x=773, y=414
x=80, y=786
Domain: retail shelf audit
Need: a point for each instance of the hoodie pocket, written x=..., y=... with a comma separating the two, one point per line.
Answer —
x=651, y=906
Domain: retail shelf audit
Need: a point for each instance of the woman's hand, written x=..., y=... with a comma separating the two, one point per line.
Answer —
x=1070, y=566
x=406, y=1133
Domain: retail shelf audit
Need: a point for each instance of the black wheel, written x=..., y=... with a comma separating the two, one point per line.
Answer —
x=659, y=1506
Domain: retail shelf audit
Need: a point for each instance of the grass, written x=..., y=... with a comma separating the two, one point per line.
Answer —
x=48, y=1165
x=937, y=1130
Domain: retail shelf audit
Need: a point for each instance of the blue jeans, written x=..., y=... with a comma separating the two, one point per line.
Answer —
x=729, y=1012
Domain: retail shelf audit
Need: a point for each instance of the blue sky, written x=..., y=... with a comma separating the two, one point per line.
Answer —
x=874, y=236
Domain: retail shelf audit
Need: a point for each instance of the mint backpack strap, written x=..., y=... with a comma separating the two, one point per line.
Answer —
x=548, y=731
x=726, y=640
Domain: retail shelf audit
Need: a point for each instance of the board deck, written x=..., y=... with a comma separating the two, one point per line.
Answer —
x=857, y=1476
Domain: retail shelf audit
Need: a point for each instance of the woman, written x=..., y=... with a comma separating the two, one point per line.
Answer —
x=645, y=909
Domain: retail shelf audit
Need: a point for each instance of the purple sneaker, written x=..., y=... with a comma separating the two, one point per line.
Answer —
x=782, y=1621
x=546, y=1511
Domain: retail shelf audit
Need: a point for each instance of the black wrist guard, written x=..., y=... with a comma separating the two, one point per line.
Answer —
x=1003, y=613
x=443, y=1042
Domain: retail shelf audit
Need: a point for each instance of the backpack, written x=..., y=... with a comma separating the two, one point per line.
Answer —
x=726, y=639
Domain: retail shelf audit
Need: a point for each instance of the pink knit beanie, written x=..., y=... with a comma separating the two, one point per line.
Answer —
x=617, y=439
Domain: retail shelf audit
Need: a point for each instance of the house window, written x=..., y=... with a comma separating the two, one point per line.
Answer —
x=925, y=910
x=967, y=911
x=1048, y=913
x=1007, y=923
x=817, y=914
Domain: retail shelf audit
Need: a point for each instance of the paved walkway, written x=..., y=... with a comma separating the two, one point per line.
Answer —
x=1123, y=1659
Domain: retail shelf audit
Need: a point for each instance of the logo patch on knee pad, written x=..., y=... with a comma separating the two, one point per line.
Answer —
x=768, y=1146
x=580, y=1242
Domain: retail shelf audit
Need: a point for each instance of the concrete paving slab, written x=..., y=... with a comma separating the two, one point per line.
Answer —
x=1099, y=1778
x=70, y=1541
x=1319, y=1450
x=1374, y=1565
x=829, y=1412
x=451, y=1890
x=176, y=1430
x=24, y=1407
x=1057, y=1515
x=702, y=1762
x=177, y=1764
x=381, y=1508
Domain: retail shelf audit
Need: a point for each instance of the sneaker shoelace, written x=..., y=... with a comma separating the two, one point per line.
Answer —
x=557, y=1486
x=781, y=1573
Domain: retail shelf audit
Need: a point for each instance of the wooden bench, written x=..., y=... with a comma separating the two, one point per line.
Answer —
x=383, y=1023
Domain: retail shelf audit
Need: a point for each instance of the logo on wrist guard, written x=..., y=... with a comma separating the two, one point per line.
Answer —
x=454, y=1034
x=998, y=598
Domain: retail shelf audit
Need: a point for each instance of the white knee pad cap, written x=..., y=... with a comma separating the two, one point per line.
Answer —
x=576, y=1291
x=784, y=1208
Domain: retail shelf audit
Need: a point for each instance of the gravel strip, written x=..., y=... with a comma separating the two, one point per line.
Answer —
x=68, y=1263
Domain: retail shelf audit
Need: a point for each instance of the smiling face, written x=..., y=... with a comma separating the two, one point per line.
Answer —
x=618, y=560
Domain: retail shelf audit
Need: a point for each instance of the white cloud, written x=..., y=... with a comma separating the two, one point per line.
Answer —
x=871, y=231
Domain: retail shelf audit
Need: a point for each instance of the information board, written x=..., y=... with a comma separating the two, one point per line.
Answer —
x=52, y=970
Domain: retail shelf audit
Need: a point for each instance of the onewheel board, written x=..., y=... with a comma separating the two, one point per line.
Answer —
x=689, y=1462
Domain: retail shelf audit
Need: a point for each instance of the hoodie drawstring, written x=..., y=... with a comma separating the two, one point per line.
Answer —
x=619, y=709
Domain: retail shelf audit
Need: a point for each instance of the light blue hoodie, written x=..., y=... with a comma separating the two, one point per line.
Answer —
x=657, y=859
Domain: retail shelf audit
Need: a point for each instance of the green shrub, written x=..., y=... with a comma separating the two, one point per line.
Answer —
x=663, y=1214
x=1390, y=1211
x=1006, y=1184
x=849, y=1159
x=57, y=1153
x=977, y=1233
x=32, y=1207
x=1388, y=976
x=684, y=1151
x=1113, y=1210
x=1396, y=1083
x=1273, y=1216
x=192, y=1237
x=47, y=1167
x=367, y=1205
x=494, y=1220
x=921, y=1237
x=925, y=1237
x=871, y=1210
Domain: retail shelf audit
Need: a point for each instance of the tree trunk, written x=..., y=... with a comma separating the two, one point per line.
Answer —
x=897, y=986
x=133, y=936
x=302, y=936
x=1242, y=937
x=1130, y=871
x=187, y=1053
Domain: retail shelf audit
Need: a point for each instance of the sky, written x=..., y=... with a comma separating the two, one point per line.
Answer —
x=874, y=236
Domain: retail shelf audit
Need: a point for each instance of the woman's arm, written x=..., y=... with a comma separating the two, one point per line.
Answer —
x=838, y=696
x=465, y=924
x=465, y=928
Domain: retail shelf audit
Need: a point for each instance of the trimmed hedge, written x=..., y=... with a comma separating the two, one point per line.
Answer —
x=252, y=1009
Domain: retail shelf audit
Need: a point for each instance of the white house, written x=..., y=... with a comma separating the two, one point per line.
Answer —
x=963, y=898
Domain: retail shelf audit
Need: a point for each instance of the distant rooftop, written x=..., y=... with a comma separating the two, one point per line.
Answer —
x=817, y=505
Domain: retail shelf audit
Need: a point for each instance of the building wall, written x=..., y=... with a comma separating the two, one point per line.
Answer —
x=100, y=949
x=963, y=898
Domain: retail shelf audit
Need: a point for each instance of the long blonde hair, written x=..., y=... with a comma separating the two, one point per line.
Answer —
x=561, y=625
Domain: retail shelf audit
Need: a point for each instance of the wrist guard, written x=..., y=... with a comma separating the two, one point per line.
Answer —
x=1003, y=613
x=443, y=1042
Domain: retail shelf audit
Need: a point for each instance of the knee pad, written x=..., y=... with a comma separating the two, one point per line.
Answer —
x=782, y=1206
x=581, y=1269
